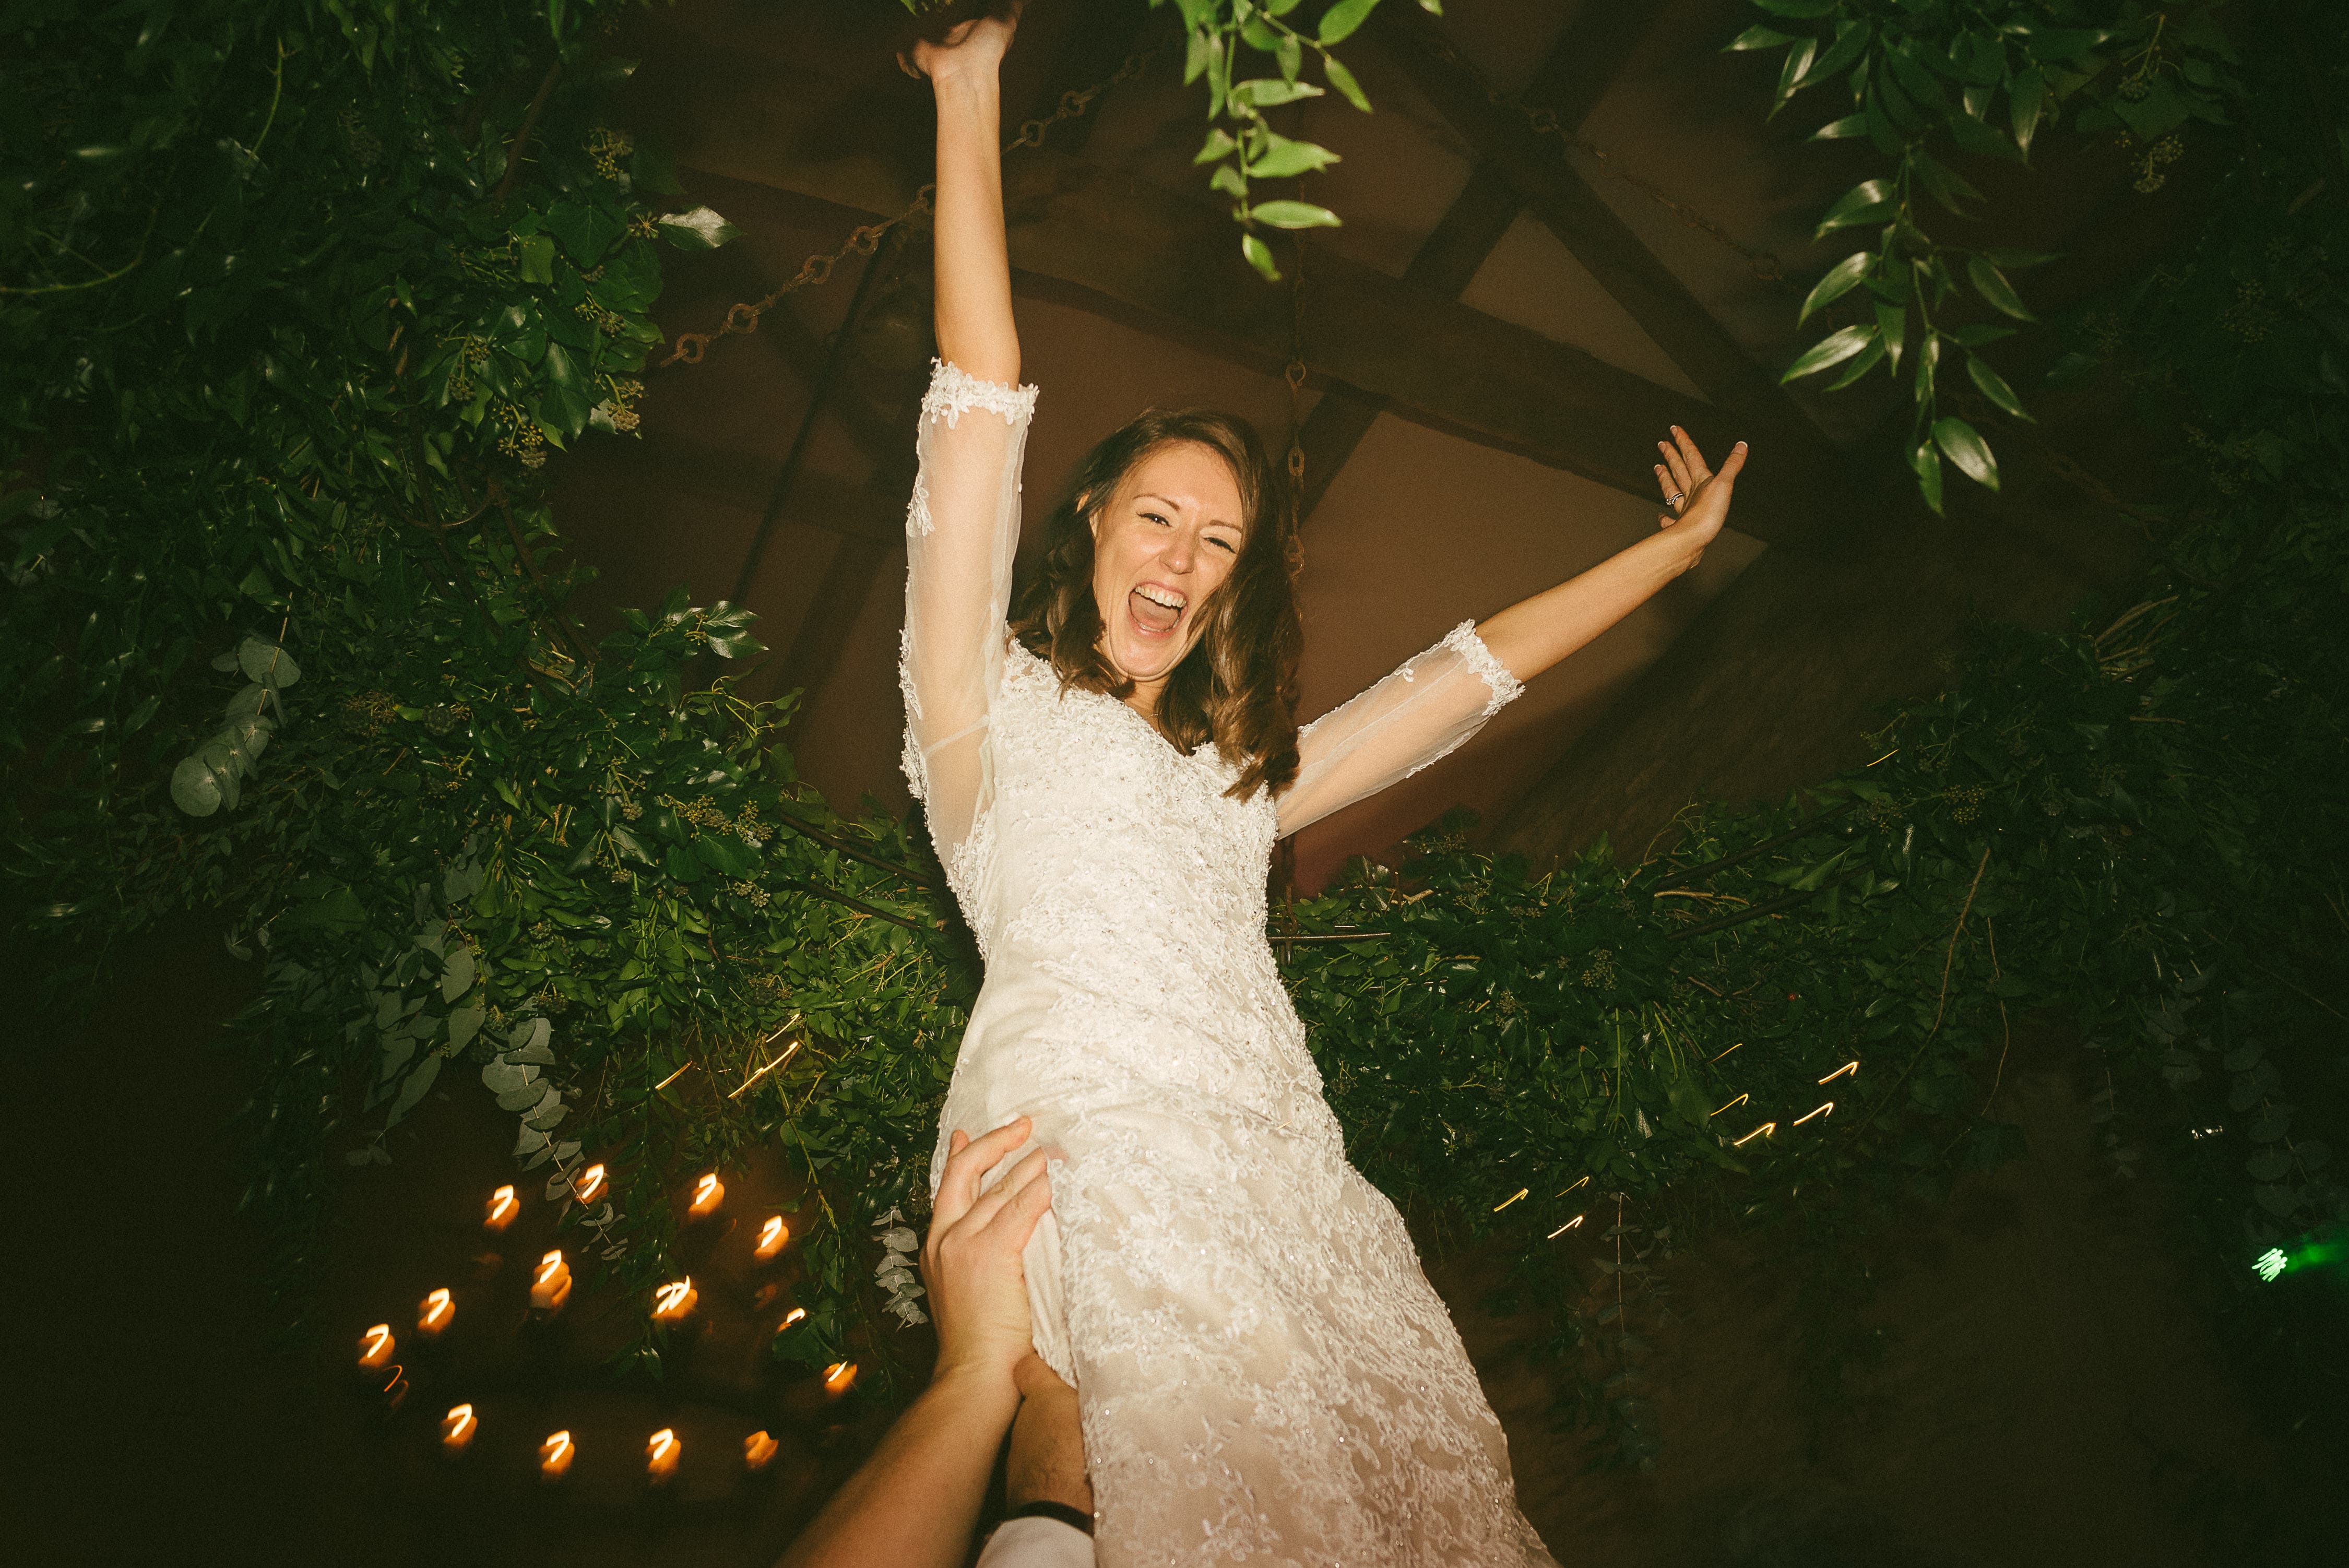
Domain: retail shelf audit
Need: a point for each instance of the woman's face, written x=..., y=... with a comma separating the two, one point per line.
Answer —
x=1162, y=546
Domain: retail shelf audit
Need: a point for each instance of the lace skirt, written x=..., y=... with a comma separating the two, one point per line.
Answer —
x=1264, y=1373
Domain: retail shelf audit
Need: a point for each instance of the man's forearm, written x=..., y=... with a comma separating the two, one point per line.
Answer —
x=914, y=1502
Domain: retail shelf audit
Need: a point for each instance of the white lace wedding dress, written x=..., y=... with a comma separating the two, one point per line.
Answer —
x=1264, y=1373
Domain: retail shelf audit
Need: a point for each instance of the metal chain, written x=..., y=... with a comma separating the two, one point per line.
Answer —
x=741, y=319
x=1294, y=374
x=1763, y=264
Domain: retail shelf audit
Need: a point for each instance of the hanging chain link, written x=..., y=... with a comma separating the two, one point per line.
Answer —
x=1294, y=373
x=1763, y=264
x=743, y=318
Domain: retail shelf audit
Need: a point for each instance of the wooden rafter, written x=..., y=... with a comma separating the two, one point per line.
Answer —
x=1588, y=56
x=1648, y=290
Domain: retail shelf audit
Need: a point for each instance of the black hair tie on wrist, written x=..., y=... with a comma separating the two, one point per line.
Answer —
x=1076, y=1519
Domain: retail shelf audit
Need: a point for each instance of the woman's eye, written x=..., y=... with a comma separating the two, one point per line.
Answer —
x=1228, y=548
x=1158, y=519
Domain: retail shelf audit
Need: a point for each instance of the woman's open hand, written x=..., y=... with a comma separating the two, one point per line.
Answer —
x=977, y=44
x=1697, y=497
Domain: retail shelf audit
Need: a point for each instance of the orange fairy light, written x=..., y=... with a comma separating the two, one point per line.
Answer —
x=758, y=1448
x=590, y=1185
x=661, y=1454
x=673, y=1303
x=790, y=1317
x=435, y=1313
x=555, y=1456
x=503, y=1207
x=773, y=1236
x=551, y=1286
x=395, y=1393
x=457, y=1429
x=376, y=1347
x=838, y=1378
x=707, y=1193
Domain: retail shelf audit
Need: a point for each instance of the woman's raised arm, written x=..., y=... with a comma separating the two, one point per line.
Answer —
x=974, y=273
x=1437, y=700
x=963, y=524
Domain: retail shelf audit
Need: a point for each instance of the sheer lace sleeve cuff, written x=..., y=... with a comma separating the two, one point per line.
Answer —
x=954, y=392
x=1505, y=687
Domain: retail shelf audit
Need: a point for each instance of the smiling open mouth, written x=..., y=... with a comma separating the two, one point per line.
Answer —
x=1155, y=610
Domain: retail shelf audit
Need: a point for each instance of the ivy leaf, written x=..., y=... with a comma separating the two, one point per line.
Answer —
x=699, y=230
x=1259, y=256
x=1994, y=387
x=1992, y=284
x=1833, y=349
x=1270, y=92
x=1867, y=360
x=537, y=253
x=1218, y=144
x=1927, y=464
x=1850, y=125
x=1965, y=447
x=1757, y=36
x=1338, y=21
x=1343, y=80
x=2026, y=100
x=1841, y=278
x=1790, y=78
x=1293, y=215
x=1847, y=48
x=1282, y=158
x=1860, y=204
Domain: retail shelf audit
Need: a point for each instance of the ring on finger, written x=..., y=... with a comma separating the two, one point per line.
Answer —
x=1674, y=498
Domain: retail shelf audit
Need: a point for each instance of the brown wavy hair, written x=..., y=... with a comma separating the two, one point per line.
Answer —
x=1237, y=686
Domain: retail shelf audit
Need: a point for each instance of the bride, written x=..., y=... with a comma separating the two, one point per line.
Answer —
x=1264, y=1375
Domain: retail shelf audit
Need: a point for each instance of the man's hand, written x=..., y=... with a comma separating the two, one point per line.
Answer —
x=978, y=1291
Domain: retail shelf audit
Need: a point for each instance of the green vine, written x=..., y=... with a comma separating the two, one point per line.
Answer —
x=1986, y=78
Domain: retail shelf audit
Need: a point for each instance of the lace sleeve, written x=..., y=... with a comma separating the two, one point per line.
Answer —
x=962, y=528
x=1421, y=712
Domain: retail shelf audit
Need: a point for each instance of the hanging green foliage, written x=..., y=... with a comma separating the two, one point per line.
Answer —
x=1241, y=144
x=1982, y=78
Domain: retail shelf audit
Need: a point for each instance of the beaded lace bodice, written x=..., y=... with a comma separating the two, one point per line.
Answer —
x=1264, y=1373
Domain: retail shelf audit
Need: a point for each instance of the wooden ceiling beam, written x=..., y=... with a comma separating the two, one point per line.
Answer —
x=1571, y=81
x=1801, y=456
x=1164, y=264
